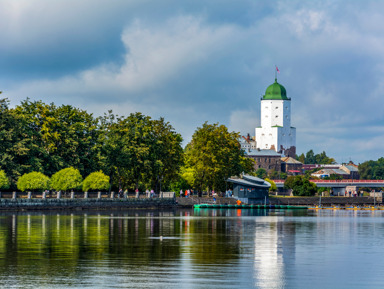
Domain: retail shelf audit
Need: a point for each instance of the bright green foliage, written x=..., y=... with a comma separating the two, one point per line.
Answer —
x=96, y=181
x=66, y=179
x=34, y=181
x=300, y=186
x=372, y=170
x=184, y=181
x=273, y=187
x=214, y=154
x=4, y=181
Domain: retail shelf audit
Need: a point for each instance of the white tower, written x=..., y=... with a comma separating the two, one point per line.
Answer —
x=276, y=132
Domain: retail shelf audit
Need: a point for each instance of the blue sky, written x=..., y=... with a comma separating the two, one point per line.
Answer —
x=196, y=61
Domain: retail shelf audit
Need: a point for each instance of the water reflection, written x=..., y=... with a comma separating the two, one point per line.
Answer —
x=174, y=249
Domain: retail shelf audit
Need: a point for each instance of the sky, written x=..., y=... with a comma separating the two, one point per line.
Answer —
x=193, y=61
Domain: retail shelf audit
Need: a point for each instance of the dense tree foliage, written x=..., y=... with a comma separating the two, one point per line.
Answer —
x=66, y=179
x=372, y=170
x=300, y=186
x=134, y=151
x=14, y=152
x=58, y=137
x=4, y=181
x=34, y=181
x=311, y=158
x=261, y=173
x=96, y=181
x=141, y=152
x=214, y=154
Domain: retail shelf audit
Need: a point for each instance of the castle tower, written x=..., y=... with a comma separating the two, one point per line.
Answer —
x=276, y=132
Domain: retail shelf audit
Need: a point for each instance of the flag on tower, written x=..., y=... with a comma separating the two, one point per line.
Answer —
x=278, y=71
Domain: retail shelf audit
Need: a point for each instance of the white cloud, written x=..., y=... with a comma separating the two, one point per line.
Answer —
x=192, y=68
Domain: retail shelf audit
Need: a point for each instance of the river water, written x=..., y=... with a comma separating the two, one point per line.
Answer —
x=204, y=248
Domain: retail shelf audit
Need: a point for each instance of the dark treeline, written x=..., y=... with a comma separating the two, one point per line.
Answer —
x=372, y=170
x=311, y=158
x=136, y=152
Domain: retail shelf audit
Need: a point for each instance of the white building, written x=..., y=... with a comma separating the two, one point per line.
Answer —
x=276, y=132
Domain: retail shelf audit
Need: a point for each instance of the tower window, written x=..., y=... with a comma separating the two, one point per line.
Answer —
x=277, y=107
x=276, y=116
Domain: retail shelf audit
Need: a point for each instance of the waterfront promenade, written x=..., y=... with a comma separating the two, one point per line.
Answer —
x=106, y=203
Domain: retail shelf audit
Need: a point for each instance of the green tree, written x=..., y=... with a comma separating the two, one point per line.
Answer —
x=166, y=154
x=140, y=151
x=34, y=181
x=372, y=169
x=300, y=186
x=214, y=154
x=4, y=181
x=58, y=137
x=66, y=179
x=96, y=181
x=273, y=187
x=301, y=158
x=312, y=158
x=14, y=153
x=273, y=174
x=261, y=173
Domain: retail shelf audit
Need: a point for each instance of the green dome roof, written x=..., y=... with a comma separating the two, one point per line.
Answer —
x=276, y=91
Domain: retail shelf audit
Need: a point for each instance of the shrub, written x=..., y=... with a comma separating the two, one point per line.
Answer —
x=4, y=181
x=273, y=187
x=300, y=186
x=33, y=181
x=66, y=179
x=96, y=181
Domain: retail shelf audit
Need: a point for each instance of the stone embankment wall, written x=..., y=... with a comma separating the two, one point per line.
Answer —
x=80, y=204
x=189, y=202
x=307, y=201
x=325, y=201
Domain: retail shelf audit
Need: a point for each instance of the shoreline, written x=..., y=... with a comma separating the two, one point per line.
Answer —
x=103, y=204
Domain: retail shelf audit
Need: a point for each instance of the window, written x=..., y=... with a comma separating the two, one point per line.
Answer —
x=276, y=116
x=277, y=107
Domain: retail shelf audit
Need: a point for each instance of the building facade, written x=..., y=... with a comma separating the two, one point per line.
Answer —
x=249, y=189
x=276, y=132
x=266, y=159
